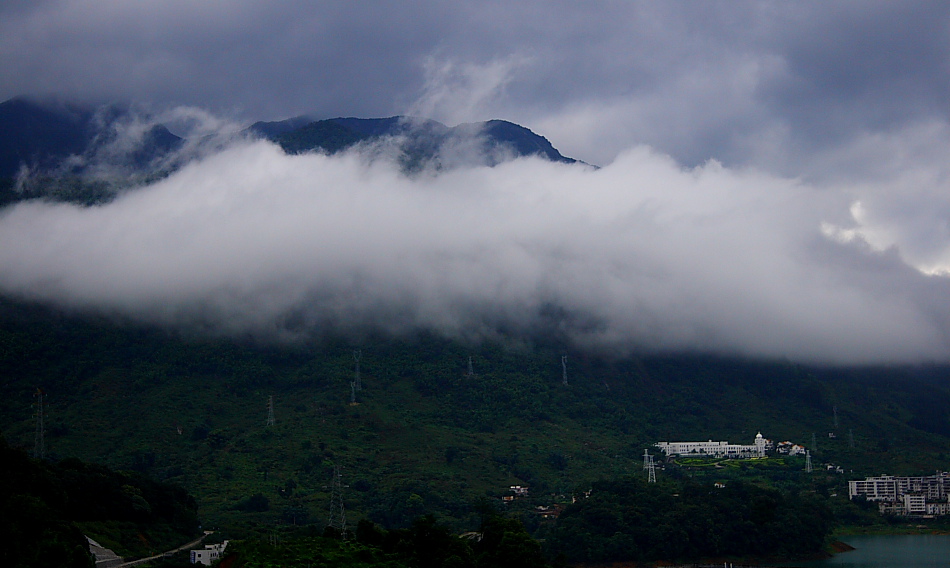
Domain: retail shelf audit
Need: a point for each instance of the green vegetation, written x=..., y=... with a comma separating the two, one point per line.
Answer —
x=34, y=518
x=45, y=508
x=632, y=520
x=499, y=543
x=426, y=438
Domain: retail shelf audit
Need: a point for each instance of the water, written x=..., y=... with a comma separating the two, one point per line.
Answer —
x=889, y=551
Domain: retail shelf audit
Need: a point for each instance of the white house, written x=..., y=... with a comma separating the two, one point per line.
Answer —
x=208, y=554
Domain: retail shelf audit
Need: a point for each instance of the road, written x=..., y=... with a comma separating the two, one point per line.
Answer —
x=186, y=546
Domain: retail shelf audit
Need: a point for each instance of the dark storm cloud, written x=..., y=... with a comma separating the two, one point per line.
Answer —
x=742, y=82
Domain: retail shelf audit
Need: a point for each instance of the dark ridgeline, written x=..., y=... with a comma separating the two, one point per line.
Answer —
x=57, y=143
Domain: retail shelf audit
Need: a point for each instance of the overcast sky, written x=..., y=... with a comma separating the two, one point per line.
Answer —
x=774, y=181
x=742, y=82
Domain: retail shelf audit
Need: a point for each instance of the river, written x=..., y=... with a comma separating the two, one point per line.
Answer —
x=889, y=551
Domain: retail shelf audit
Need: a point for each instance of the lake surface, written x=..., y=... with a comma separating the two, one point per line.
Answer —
x=889, y=551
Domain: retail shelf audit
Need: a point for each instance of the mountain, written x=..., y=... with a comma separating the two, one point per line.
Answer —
x=37, y=135
x=73, y=153
x=85, y=155
x=423, y=142
x=424, y=435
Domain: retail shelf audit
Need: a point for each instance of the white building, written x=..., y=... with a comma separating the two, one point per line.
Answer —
x=208, y=554
x=913, y=496
x=716, y=449
x=890, y=488
x=789, y=448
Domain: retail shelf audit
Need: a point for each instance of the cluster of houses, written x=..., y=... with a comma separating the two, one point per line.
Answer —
x=756, y=449
x=923, y=496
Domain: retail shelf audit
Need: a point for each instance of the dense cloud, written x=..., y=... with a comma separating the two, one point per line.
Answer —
x=823, y=234
x=640, y=254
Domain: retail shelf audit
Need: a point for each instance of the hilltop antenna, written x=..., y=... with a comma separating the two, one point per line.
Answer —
x=835, y=409
x=649, y=466
x=807, y=461
x=357, y=355
x=564, y=369
x=471, y=370
x=337, y=517
x=39, y=439
x=270, y=410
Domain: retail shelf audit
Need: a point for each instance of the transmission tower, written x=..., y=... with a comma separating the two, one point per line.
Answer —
x=352, y=392
x=807, y=461
x=564, y=369
x=357, y=355
x=649, y=466
x=270, y=410
x=471, y=370
x=835, y=409
x=337, y=517
x=39, y=439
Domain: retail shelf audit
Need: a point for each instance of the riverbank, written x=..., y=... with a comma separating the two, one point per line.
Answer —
x=943, y=528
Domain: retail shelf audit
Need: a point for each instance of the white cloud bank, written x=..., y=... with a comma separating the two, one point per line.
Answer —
x=638, y=255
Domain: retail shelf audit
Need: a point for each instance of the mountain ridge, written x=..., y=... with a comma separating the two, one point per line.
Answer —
x=41, y=137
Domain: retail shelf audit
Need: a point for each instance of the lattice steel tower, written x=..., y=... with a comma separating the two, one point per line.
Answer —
x=564, y=369
x=471, y=369
x=649, y=466
x=357, y=355
x=807, y=461
x=337, y=517
x=270, y=410
x=39, y=438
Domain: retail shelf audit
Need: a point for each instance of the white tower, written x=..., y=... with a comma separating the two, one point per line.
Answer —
x=760, y=445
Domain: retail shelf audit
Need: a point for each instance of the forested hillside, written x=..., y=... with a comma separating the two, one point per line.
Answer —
x=424, y=436
x=46, y=508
